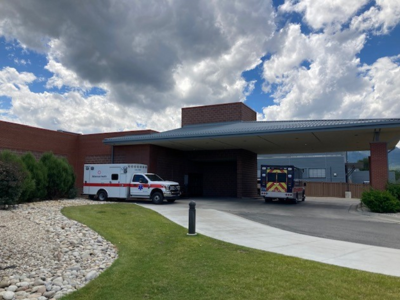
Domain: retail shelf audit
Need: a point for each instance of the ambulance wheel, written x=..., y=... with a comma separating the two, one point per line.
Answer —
x=157, y=198
x=102, y=195
x=267, y=199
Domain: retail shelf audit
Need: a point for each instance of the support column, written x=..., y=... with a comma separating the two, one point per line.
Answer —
x=246, y=174
x=379, y=169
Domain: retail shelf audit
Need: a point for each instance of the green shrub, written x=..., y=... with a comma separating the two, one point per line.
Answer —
x=39, y=175
x=394, y=189
x=380, y=201
x=60, y=176
x=28, y=184
x=12, y=177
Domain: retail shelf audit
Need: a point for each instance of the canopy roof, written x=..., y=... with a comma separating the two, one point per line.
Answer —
x=269, y=137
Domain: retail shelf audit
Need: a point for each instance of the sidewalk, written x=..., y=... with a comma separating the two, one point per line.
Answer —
x=234, y=229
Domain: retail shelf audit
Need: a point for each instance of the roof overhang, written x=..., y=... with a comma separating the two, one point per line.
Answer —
x=340, y=135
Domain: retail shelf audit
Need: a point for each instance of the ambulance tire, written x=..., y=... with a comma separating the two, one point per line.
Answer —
x=157, y=198
x=102, y=195
x=267, y=199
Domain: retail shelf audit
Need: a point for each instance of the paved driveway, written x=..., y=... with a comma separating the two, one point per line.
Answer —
x=333, y=218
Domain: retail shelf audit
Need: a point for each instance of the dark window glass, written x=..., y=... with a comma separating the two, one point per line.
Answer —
x=139, y=178
x=271, y=177
x=281, y=177
x=114, y=176
x=154, y=177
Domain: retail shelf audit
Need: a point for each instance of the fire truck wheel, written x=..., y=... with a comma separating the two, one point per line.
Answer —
x=157, y=198
x=102, y=195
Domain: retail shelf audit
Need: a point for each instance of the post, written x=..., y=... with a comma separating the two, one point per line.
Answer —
x=192, y=218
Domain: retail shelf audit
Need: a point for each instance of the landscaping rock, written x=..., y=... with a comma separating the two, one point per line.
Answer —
x=91, y=275
x=8, y=295
x=50, y=255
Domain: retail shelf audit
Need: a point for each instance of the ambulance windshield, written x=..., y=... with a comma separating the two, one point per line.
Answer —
x=154, y=177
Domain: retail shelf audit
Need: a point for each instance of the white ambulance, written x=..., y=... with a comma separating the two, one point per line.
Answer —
x=125, y=181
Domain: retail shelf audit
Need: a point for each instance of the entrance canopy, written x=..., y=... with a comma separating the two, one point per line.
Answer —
x=270, y=137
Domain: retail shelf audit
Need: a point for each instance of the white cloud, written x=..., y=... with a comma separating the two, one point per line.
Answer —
x=72, y=111
x=380, y=18
x=336, y=84
x=150, y=57
x=322, y=14
x=319, y=75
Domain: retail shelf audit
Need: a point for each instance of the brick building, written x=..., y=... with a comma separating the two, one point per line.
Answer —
x=215, y=151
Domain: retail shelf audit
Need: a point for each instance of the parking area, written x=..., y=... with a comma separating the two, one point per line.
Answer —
x=333, y=218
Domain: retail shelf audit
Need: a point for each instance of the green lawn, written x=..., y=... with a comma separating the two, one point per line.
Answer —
x=157, y=260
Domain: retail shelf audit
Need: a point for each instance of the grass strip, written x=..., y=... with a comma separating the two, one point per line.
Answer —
x=157, y=260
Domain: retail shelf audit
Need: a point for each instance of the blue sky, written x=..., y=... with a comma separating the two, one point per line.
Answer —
x=63, y=67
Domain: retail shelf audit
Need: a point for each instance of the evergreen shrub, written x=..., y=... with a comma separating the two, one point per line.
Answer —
x=28, y=184
x=394, y=189
x=380, y=201
x=60, y=176
x=12, y=178
x=39, y=175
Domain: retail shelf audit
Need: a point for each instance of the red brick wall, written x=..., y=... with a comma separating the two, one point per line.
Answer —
x=228, y=112
x=78, y=149
x=22, y=139
x=379, y=171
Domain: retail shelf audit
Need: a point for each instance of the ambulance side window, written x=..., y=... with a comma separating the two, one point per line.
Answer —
x=139, y=178
x=114, y=176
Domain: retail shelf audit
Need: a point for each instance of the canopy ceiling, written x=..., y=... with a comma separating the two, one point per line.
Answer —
x=273, y=137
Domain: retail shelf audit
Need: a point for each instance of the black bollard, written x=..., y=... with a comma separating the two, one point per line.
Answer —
x=192, y=218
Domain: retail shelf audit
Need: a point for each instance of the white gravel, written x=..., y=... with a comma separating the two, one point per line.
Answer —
x=44, y=255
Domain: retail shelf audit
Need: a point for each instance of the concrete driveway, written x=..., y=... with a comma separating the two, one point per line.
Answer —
x=332, y=218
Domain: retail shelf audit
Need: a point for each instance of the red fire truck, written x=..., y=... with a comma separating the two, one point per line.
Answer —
x=283, y=183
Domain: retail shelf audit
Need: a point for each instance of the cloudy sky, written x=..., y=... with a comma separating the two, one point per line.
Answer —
x=112, y=65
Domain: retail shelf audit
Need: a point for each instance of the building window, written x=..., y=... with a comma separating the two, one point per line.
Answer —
x=316, y=173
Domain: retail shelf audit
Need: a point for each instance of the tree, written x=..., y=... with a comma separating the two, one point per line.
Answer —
x=60, y=176
x=39, y=175
x=365, y=162
x=28, y=184
x=12, y=177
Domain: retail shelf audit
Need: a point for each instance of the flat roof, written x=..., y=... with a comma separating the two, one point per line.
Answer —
x=270, y=137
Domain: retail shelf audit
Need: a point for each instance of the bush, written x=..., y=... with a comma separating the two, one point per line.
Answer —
x=380, y=201
x=60, y=176
x=28, y=184
x=394, y=189
x=12, y=178
x=39, y=175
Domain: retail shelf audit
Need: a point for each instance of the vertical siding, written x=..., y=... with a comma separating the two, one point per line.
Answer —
x=331, y=162
x=335, y=189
